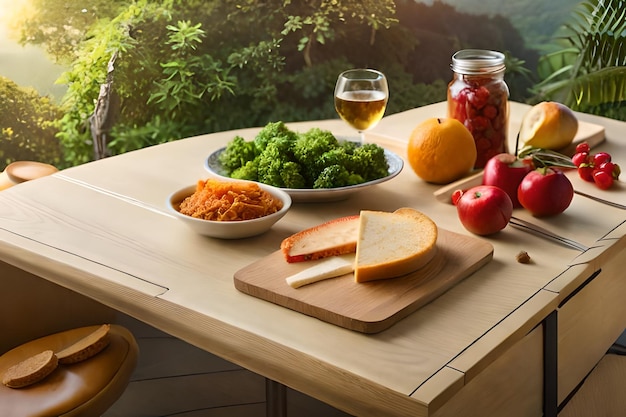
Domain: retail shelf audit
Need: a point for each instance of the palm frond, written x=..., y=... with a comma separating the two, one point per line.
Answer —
x=553, y=62
x=607, y=85
x=590, y=73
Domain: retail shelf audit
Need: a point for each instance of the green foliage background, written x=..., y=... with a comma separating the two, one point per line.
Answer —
x=27, y=126
x=185, y=68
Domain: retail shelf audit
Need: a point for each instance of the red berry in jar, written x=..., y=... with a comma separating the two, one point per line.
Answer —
x=490, y=111
x=478, y=98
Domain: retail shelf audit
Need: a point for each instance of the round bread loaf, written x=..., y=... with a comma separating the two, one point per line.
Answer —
x=30, y=370
x=393, y=244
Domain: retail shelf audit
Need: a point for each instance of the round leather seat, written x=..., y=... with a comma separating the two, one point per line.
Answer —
x=86, y=388
x=21, y=171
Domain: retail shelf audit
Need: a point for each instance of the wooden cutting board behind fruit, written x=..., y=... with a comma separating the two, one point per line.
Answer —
x=587, y=132
x=372, y=306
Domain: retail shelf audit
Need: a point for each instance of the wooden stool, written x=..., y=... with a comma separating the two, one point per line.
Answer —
x=22, y=171
x=86, y=388
x=602, y=392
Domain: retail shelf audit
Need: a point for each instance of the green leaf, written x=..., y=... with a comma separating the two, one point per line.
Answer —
x=607, y=85
x=589, y=74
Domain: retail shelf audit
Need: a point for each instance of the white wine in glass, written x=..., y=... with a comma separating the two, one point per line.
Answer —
x=361, y=98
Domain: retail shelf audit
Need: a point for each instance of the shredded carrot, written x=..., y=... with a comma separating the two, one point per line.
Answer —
x=229, y=201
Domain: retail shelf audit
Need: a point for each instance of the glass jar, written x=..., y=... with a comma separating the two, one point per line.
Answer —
x=478, y=98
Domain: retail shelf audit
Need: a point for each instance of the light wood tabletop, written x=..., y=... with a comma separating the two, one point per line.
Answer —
x=102, y=230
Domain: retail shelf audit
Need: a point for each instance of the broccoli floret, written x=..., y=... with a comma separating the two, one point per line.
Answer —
x=336, y=156
x=348, y=145
x=275, y=156
x=272, y=132
x=237, y=153
x=250, y=171
x=308, y=149
x=369, y=162
x=333, y=176
x=355, y=179
x=291, y=175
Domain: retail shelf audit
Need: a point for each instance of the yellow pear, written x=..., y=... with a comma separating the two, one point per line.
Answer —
x=548, y=125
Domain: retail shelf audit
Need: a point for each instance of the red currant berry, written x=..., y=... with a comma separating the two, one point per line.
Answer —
x=610, y=168
x=583, y=147
x=602, y=179
x=586, y=172
x=600, y=158
x=456, y=196
x=580, y=158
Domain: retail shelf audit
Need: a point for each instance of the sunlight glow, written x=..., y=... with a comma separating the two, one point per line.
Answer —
x=8, y=9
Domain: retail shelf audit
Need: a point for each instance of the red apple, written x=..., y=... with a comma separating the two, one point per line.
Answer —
x=545, y=192
x=506, y=171
x=484, y=209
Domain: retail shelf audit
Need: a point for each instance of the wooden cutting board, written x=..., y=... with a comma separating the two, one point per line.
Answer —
x=591, y=133
x=372, y=306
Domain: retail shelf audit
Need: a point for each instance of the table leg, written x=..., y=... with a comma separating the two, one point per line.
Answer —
x=550, y=368
x=275, y=399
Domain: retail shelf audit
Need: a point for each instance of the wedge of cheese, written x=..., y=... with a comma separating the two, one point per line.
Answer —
x=333, y=238
x=393, y=244
x=322, y=269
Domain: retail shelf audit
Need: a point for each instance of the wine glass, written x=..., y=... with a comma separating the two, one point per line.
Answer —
x=361, y=98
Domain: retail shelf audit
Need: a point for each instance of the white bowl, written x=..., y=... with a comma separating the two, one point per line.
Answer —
x=229, y=229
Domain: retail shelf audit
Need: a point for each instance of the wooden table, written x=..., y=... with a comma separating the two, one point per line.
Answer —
x=511, y=339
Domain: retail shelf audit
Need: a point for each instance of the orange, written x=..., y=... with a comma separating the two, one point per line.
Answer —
x=441, y=150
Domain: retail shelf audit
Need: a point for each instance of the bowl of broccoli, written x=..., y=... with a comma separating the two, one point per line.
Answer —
x=310, y=166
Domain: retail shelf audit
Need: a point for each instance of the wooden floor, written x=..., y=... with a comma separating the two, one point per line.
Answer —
x=173, y=378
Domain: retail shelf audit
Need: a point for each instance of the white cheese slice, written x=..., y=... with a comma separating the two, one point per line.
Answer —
x=334, y=266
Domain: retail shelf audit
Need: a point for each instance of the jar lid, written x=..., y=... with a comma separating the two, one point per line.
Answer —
x=477, y=61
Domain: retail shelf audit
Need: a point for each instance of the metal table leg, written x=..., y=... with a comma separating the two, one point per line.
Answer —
x=275, y=399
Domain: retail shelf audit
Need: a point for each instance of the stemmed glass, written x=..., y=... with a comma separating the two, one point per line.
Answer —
x=361, y=98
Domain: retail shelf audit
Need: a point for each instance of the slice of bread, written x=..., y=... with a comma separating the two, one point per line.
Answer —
x=30, y=370
x=393, y=244
x=85, y=348
x=333, y=238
